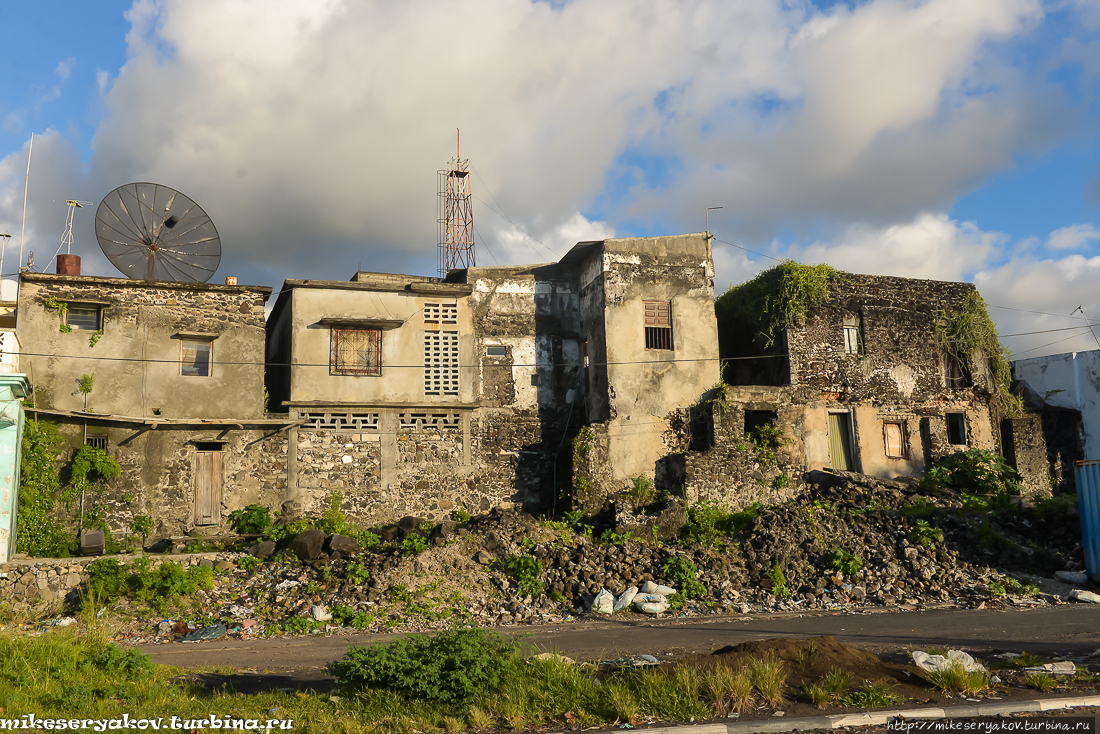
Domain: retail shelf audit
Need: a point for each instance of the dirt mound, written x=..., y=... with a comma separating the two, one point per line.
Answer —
x=807, y=660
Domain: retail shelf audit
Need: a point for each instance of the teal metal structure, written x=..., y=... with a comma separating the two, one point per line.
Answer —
x=13, y=387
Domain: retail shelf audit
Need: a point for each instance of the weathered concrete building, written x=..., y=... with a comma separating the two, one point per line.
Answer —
x=172, y=388
x=419, y=396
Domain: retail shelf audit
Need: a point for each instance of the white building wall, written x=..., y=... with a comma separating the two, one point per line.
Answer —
x=1070, y=380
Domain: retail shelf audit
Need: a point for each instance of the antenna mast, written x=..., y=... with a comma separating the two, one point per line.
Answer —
x=67, y=233
x=455, y=214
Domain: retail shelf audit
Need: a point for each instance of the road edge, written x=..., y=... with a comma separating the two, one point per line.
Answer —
x=837, y=721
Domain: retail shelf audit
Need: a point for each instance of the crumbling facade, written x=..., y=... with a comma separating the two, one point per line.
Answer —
x=167, y=378
x=421, y=396
x=855, y=383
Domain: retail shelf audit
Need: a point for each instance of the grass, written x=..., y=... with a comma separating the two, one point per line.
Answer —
x=957, y=679
x=769, y=678
x=836, y=683
x=1040, y=681
x=872, y=695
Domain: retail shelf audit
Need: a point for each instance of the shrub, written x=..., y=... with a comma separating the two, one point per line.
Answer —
x=252, y=520
x=247, y=563
x=843, y=561
x=525, y=570
x=684, y=575
x=107, y=579
x=975, y=471
x=413, y=544
x=925, y=535
x=779, y=583
x=450, y=667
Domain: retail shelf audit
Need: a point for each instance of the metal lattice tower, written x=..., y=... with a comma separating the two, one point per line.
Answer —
x=455, y=211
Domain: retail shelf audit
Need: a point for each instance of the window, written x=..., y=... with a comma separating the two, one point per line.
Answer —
x=441, y=363
x=496, y=351
x=96, y=440
x=853, y=335
x=956, y=429
x=356, y=352
x=658, y=325
x=82, y=317
x=195, y=357
x=954, y=375
x=893, y=436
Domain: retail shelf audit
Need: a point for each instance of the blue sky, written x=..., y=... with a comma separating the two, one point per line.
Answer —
x=932, y=138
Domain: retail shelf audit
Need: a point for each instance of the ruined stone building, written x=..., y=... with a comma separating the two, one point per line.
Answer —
x=848, y=371
x=420, y=396
x=173, y=374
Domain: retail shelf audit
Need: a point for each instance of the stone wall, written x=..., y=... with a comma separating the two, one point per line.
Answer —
x=335, y=460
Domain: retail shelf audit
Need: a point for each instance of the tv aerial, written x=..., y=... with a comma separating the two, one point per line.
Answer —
x=153, y=232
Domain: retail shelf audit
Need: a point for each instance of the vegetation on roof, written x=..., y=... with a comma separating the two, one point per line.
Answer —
x=968, y=333
x=776, y=299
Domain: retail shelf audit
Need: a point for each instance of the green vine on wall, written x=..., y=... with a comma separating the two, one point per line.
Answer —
x=969, y=333
x=61, y=307
x=40, y=532
x=777, y=298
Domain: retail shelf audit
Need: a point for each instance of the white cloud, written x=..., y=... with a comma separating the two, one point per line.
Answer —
x=1072, y=237
x=65, y=69
x=321, y=123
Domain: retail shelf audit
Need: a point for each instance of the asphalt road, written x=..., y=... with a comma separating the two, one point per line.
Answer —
x=1071, y=628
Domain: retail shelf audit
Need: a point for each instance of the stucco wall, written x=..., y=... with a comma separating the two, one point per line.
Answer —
x=142, y=377
x=1070, y=380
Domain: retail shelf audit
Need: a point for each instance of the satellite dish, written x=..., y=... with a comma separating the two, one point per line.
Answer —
x=152, y=232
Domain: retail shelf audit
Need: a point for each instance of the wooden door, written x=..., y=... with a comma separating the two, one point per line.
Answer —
x=208, y=487
x=840, y=441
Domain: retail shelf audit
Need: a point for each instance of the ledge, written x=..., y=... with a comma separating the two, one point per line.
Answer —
x=154, y=422
x=361, y=323
x=195, y=335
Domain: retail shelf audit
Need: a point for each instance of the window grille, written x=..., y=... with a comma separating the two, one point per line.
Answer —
x=658, y=325
x=441, y=363
x=96, y=440
x=81, y=317
x=341, y=421
x=436, y=314
x=356, y=352
x=422, y=421
x=195, y=357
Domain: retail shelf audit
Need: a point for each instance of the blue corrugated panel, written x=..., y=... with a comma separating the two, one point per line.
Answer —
x=1088, y=504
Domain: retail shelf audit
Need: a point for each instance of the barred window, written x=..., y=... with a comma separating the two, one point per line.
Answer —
x=441, y=363
x=658, y=325
x=195, y=357
x=96, y=440
x=356, y=352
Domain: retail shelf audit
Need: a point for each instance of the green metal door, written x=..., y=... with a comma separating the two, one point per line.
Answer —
x=840, y=440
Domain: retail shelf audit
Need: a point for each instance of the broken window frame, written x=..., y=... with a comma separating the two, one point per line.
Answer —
x=81, y=325
x=657, y=323
x=342, y=340
x=196, y=370
x=955, y=374
x=852, y=330
x=956, y=428
x=903, y=440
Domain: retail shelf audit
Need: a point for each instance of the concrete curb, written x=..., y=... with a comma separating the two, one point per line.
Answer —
x=879, y=717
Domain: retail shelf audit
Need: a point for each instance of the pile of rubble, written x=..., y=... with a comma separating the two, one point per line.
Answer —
x=844, y=544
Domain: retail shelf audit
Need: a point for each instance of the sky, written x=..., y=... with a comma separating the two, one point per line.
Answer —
x=942, y=139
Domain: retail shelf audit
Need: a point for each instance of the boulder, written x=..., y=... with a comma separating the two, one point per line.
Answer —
x=263, y=549
x=341, y=544
x=308, y=545
x=410, y=525
x=483, y=558
x=665, y=525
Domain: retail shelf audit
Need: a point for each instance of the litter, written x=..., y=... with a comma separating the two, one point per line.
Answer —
x=955, y=658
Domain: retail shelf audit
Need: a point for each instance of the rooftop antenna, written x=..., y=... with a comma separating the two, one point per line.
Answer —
x=67, y=232
x=153, y=232
x=26, y=185
x=1087, y=322
x=3, y=249
x=709, y=210
x=455, y=214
